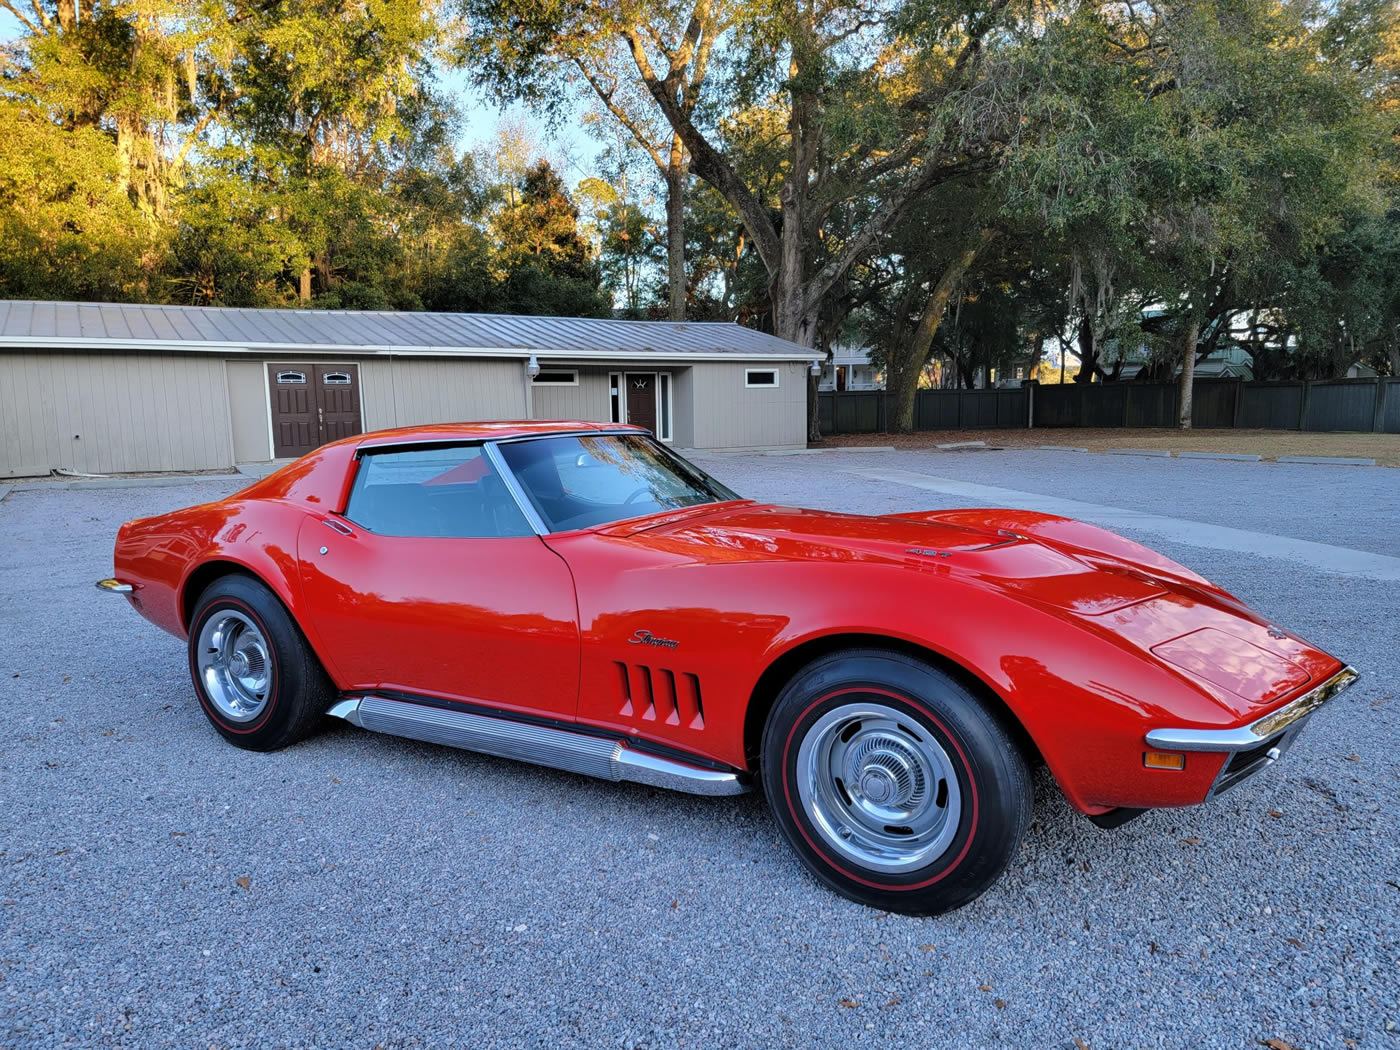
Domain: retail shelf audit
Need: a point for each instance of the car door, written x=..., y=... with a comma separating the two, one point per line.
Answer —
x=432, y=583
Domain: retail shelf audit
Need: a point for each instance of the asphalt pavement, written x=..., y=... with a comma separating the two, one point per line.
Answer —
x=160, y=888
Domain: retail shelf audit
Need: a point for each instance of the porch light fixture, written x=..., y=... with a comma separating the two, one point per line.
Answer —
x=532, y=367
x=816, y=368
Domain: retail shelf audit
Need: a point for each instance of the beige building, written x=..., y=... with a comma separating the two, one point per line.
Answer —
x=103, y=388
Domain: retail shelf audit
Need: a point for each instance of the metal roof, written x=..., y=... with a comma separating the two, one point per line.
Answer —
x=27, y=324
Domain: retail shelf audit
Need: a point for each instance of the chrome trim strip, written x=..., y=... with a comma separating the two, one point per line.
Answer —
x=620, y=428
x=1254, y=734
x=643, y=768
x=346, y=709
x=448, y=440
x=593, y=756
x=115, y=586
x=513, y=486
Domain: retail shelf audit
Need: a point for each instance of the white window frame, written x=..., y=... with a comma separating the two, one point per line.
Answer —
x=572, y=373
x=617, y=404
x=665, y=406
x=774, y=372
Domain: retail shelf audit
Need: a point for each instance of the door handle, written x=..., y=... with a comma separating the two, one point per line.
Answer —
x=321, y=418
x=339, y=526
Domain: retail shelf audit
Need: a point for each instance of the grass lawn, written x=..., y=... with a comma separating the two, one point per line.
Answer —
x=1270, y=444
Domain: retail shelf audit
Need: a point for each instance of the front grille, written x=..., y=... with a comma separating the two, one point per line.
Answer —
x=659, y=694
x=1242, y=760
x=1244, y=764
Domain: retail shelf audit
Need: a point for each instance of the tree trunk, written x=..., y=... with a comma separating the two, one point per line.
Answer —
x=676, y=177
x=913, y=357
x=1188, y=373
x=1088, y=352
x=304, y=285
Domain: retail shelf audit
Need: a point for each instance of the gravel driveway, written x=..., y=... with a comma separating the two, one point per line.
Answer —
x=161, y=888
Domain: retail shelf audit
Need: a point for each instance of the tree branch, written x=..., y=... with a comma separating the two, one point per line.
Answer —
x=26, y=22
x=882, y=219
x=706, y=161
x=605, y=95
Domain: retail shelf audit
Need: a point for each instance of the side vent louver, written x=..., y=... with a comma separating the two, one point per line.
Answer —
x=654, y=694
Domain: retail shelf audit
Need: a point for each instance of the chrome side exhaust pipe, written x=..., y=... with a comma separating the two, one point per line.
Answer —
x=549, y=746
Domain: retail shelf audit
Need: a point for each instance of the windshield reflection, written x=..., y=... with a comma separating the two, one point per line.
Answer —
x=579, y=481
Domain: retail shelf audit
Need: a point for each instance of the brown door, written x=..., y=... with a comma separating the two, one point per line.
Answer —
x=338, y=392
x=312, y=404
x=641, y=399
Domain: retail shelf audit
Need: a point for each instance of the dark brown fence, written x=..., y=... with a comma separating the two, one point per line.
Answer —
x=1331, y=404
x=867, y=411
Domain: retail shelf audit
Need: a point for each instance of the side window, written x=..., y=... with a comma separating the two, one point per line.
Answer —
x=760, y=377
x=434, y=492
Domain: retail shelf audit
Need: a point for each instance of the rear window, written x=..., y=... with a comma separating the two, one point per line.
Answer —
x=435, y=492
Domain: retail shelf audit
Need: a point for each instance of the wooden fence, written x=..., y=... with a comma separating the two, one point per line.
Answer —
x=1319, y=405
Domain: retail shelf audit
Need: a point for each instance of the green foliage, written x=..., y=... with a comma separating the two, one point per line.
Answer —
x=255, y=154
x=962, y=179
x=67, y=230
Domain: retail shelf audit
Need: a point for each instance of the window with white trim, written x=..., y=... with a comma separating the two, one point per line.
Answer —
x=336, y=379
x=760, y=377
x=291, y=377
x=557, y=377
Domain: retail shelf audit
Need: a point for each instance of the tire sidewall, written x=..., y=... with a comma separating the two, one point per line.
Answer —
x=991, y=817
x=245, y=596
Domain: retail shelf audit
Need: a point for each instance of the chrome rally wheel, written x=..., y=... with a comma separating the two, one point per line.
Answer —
x=234, y=665
x=879, y=792
x=256, y=676
x=894, y=781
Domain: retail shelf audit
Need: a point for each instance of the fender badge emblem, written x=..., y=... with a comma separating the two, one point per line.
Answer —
x=642, y=636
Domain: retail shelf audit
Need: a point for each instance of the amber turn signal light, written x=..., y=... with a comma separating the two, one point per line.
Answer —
x=1163, y=760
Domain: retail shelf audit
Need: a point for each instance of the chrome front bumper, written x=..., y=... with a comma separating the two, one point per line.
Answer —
x=1251, y=736
x=1261, y=743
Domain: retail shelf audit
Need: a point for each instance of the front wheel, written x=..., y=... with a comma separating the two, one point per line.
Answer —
x=894, y=783
x=256, y=676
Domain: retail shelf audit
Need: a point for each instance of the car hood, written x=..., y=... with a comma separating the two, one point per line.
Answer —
x=1111, y=585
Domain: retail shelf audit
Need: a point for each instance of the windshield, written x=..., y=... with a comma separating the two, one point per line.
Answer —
x=592, y=479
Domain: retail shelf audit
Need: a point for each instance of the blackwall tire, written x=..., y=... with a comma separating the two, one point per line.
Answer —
x=255, y=675
x=895, y=784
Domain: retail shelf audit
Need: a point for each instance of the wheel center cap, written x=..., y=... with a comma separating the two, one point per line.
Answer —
x=238, y=664
x=877, y=786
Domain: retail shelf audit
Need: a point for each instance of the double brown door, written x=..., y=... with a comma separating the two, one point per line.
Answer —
x=311, y=405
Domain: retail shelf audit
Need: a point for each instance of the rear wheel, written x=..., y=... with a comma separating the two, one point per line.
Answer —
x=895, y=784
x=254, y=673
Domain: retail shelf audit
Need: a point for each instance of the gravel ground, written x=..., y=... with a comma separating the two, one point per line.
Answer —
x=161, y=888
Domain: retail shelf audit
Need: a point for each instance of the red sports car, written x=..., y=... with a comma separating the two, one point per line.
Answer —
x=579, y=596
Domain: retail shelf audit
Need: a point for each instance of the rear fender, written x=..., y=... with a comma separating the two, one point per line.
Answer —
x=171, y=558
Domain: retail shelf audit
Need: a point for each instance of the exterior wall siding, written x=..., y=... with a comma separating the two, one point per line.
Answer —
x=590, y=400
x=106, y=413
x=683, y=401
x=727, y=414
x=110, y=412
x=406, y=391
x=247, y=406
